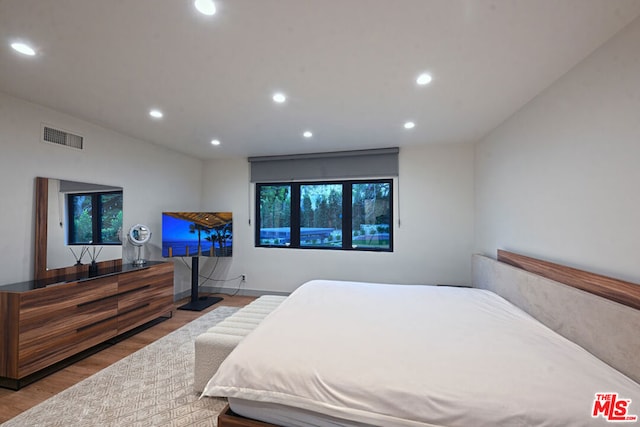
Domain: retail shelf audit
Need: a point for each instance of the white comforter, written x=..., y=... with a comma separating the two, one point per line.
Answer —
x=399, y=355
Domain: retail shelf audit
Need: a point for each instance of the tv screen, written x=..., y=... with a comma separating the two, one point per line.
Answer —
x=190, y=234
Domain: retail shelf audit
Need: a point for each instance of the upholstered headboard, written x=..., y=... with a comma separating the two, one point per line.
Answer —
x=607, y=329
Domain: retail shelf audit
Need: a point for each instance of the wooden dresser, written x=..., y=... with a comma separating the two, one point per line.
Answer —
x=42, y=324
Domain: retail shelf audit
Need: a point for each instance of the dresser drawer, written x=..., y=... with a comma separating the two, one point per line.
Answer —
x=62, y=309
x=44, y=305
x=144, y=296
x=158, y=275
x=69, y=320
x=138, y=307
x=39, y=354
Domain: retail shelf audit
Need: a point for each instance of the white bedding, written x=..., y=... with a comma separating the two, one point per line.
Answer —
x=407, y=355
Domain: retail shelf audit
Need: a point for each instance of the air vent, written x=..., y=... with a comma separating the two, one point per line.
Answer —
x=61, y=137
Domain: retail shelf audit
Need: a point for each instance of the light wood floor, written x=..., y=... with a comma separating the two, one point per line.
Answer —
x=13, y=403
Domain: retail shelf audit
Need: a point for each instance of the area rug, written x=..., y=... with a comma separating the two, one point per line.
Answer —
x=149, y=388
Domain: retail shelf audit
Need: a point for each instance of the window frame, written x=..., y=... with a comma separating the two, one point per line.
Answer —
x=96, y=218
x=347, y=212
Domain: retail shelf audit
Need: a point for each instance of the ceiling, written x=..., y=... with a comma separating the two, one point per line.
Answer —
x=348, y=67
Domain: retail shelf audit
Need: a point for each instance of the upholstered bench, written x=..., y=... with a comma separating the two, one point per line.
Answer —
x=214, y=345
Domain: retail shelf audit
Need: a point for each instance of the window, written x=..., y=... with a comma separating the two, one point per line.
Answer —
x=330, y=215
x=321, y=215
x=371, y=215
x=94, y=218
x=274, y=215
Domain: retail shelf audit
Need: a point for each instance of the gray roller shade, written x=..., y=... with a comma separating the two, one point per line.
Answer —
x=376, y=163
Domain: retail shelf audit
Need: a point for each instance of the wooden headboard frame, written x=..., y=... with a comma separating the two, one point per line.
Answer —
x=599, y=313
x=616, y=290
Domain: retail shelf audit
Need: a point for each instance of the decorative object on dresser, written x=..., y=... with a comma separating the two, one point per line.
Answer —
x=139, y=235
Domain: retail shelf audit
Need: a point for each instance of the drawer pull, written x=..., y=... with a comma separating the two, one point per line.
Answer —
x=83, y=328
x=134, y=290
x=95, y=301
x=134, y=309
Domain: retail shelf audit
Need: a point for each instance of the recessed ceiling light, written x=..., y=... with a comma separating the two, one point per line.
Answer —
x=279, y=97
x=409, y=125
x=215, y=142
x=307, y=134
x=424, y=79
x=23, y=48
x=156, y=114
x=206, y=7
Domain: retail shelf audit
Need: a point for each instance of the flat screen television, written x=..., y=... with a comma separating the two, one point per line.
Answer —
x=194, y=234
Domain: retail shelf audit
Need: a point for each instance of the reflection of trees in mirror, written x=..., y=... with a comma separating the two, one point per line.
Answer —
x=82, y=218
x=91, y=228
x=111, y=217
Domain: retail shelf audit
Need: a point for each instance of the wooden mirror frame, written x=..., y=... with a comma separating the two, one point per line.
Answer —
x=40, y=237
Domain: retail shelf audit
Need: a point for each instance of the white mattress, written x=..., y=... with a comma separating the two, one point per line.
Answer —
x=398, y=355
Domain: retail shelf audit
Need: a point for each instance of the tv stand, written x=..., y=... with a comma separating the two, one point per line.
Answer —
x=197, y=303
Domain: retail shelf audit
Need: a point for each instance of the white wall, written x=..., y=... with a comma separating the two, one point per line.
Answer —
x=560, y=180
x=433, y=244
x=154, y=179
x=435, y=192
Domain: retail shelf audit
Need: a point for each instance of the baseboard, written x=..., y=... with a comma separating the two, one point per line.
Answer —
x=216, y=290
x=243, y=291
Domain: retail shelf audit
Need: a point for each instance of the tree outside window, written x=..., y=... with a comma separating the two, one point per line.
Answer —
x=330, y=215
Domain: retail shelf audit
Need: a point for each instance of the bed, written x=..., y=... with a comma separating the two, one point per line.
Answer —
x=434, y=356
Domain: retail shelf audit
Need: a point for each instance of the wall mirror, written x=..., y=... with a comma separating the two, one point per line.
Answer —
x=77, y=222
